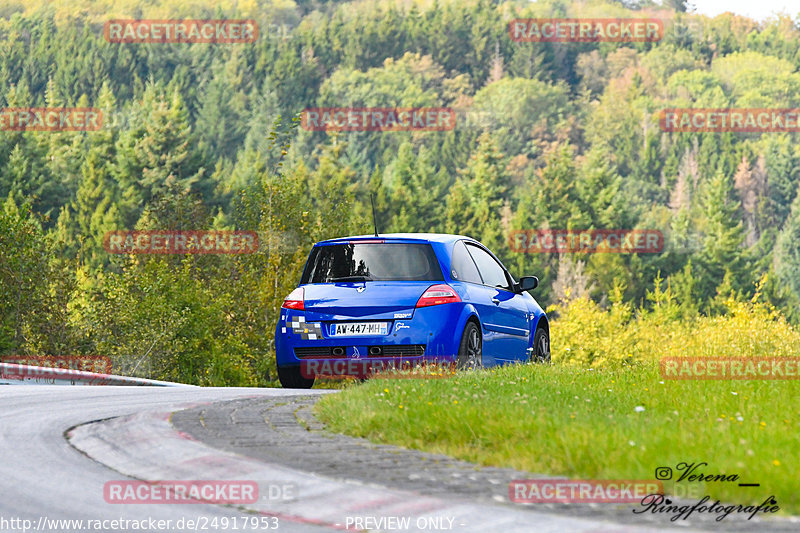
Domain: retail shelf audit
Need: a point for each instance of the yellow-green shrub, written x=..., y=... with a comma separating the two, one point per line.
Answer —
x=584, y=334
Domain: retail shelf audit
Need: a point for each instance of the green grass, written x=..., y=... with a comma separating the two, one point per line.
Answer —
x=602, y=410
x=583, y=423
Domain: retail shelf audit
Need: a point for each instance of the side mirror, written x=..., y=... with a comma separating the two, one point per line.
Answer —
x=527, y=283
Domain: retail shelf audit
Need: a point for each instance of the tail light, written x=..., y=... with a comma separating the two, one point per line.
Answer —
x=438, y=294
x=295, y=300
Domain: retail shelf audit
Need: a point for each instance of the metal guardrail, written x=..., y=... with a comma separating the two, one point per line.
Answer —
x=13, y=374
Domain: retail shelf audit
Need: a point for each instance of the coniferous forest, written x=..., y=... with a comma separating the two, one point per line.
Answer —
x=208, y=136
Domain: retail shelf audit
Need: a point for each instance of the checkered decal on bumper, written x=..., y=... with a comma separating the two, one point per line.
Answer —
x=306, y=330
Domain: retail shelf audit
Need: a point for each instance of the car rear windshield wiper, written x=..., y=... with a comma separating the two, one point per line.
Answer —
x=352, y=278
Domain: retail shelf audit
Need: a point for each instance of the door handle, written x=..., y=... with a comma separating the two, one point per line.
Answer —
x=495, y=301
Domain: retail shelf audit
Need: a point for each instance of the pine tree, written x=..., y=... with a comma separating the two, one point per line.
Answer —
x=680, y=197
x=684, y=286
x=751, y=186
x=220, y=123
x=555, y=199
x=265, y=112
x=93, y=211
x=475, y=207
x=418, y=191
x=787, y=250
x=723, y=238
x=599, y=188
x=572, y=281
x=157, y=155
x=496, y=72
x=24, y=170
x=783, y=177
x=65, y=152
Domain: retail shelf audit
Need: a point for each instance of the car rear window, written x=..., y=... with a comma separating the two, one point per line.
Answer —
x=373, y=261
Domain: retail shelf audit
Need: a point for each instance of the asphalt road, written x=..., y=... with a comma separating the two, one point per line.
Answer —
x=44, y=478
x=60, y=447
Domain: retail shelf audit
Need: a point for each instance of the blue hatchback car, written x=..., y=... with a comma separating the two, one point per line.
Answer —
x=414, y=298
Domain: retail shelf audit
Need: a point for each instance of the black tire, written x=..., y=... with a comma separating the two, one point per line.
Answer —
x=470, y=350
x=541, y=346
x=291, y=378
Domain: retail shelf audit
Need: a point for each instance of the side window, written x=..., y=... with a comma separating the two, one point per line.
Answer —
x=463, y=267
x=492, y=273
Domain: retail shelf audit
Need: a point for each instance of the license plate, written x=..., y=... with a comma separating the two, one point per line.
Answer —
x=359, y=328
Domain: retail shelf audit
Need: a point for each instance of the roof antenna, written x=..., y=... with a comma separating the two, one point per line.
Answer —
x=374, y=218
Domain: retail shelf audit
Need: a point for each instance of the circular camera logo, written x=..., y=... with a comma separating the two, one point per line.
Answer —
x=663, y=473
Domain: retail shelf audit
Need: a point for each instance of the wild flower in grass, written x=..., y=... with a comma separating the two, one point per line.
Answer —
x=775, y=462
x=385, y=390
x=762, y=424
x=638, y=408
x=631, y=443
x=400, y=406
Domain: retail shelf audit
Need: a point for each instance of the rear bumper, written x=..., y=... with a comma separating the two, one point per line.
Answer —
x=431, y=335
